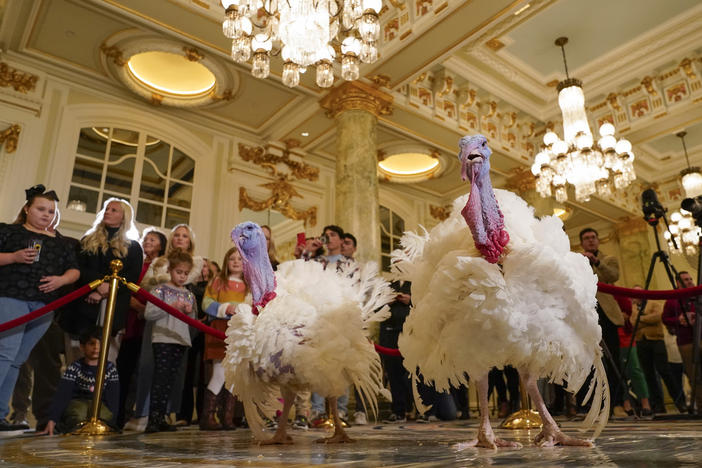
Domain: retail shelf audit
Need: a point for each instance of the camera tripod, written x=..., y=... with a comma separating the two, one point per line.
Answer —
x=671, y=273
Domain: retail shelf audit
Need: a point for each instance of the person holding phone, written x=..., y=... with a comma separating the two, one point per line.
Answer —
x=29, y=279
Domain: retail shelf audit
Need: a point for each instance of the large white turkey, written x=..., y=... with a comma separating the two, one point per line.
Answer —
x=493, y=285
x=307, y=332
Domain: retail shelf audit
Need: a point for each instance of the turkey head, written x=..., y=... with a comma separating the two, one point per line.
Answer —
x=258, y=273
x=482, y=214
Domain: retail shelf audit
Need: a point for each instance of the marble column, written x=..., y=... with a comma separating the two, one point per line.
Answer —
x=356, y=106
x=636, y=246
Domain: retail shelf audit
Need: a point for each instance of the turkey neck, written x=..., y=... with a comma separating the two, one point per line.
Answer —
x=483, y=215
x=258, y=274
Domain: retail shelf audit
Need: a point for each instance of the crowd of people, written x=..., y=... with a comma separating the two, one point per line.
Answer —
x=159, y=365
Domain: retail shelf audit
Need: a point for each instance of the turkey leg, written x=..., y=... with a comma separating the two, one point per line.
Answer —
x=486, y=437
x=551, y=434
x=340, y=435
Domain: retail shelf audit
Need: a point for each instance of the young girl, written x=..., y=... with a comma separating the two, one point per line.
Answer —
x=221, y=297
x=170, y=337
x=34, y=264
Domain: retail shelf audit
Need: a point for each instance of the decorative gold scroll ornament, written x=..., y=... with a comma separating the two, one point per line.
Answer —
x=282, y=191
x=258, y=155
x=440, y=212
x=10, y=137
x=21, y=82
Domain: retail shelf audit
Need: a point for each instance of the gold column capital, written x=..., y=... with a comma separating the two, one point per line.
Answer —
x=356, y=95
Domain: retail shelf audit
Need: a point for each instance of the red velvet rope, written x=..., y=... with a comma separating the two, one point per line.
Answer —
x=178, y=314
x=46, y=309
x=650, y=294
x=216, y=333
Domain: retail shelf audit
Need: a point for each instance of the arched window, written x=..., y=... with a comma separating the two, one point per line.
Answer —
x=154, y=175
x=391, y=228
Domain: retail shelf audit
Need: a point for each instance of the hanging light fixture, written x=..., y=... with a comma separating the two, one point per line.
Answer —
x=590, y=166
x=685, y=231
x=303, y=32
x=691, y=178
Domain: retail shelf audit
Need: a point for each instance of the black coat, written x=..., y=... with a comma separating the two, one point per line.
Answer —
x=93, y=266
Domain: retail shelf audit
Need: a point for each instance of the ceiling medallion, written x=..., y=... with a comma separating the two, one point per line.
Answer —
x=304, y=33
x=409, y=163
x=590, y=166
x=166, y=72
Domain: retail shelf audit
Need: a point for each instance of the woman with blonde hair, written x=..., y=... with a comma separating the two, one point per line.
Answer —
x=112, y=236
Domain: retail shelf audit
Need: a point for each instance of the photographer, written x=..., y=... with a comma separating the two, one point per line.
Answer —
x=610, y=315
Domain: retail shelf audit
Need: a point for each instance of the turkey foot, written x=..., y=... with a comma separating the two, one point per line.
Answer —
x=551, y=436
x=339, y=437
x=278, y=439
x=486, y=440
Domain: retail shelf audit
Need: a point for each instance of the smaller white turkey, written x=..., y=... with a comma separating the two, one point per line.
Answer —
x=493, y=285
x=307, y=330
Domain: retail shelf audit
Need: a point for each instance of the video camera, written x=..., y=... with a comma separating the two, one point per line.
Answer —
x=694, y=206
x=652, y=208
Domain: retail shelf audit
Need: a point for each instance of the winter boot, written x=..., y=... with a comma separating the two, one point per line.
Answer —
x=207, y=417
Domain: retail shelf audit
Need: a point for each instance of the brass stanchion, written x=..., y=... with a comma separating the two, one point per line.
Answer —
x=525, y=418
x=93, y=426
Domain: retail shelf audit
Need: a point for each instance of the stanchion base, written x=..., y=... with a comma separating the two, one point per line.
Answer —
x=93, y=428
x=523, y=419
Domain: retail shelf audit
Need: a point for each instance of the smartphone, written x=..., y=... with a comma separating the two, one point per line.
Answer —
x=301, y=238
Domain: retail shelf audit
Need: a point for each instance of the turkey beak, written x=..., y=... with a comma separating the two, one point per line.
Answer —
x=469, y=156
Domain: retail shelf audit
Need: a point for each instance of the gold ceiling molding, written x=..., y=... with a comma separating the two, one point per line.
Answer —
x=227, y=95
x=381, y=80
x=521, y=180
x=398, y=4
x=113, y=53
x=10, y=137
x=356, y=95
x=156, y=99
x=192, y=54
x=440, y=212
x=494, y=44
x=258, y=155
x=20, y=81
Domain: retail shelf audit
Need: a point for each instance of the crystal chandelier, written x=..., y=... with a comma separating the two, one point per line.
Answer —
x=691, y=178
x=590, y=166
x=303, y=33
x=685, y=232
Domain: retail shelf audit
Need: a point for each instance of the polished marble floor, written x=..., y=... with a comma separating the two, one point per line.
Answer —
x=629, y=443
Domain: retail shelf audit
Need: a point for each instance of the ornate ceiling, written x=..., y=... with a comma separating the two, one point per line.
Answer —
x=453, y=67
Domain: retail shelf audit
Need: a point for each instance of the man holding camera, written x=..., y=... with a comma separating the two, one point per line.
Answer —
x=606, y=268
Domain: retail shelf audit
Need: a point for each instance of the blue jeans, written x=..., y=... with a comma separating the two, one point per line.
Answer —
x=341, y=404
x=17, y=343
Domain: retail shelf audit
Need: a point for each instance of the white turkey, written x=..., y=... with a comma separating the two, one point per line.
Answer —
x=307, y=330
x=493, y=285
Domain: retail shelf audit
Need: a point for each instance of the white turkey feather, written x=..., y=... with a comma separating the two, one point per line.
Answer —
x=535, y=311
x=311, y=336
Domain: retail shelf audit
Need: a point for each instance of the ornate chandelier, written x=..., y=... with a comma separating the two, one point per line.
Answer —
x=590, y=166
x=691, y=178
x=686, y=233
x=304, y=33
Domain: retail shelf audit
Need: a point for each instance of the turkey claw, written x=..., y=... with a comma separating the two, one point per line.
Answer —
x=486, y=442
x=550, y=437
x=340, y=438
x=276, y=440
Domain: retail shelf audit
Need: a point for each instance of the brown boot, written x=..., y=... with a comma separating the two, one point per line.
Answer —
x=207, y=417
x=228, y=413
